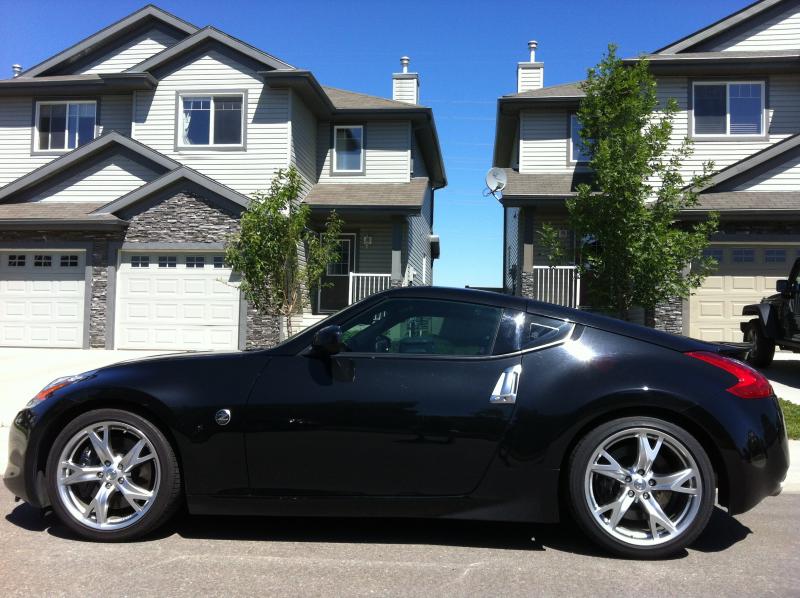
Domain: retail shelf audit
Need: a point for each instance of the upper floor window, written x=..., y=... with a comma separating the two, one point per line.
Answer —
x=728, y=108
x=348, y=149
x=62, y=126
x=578, y=152
x=211, y=120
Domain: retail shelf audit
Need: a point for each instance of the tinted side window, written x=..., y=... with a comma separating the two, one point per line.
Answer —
x=540, y=330
x=424, y=326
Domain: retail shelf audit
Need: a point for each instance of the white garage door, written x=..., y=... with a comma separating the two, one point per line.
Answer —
x=746, y=274
x=176, y=301
x=42, y=298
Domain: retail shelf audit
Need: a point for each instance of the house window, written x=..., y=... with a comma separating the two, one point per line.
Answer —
x=219, y=261
x=578, y=152
x=42, y=261
x=167, y=261
x=348, y=149
x=195, y=261
x=211, y=120
x=16, y=261
x=341, y=265
x=140, y=261
x=728, y=109
x=775, y=256
x=64, y=125
x=69, y=261
x=744, y=256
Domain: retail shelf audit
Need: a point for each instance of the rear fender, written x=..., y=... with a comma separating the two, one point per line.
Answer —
x=767, y=317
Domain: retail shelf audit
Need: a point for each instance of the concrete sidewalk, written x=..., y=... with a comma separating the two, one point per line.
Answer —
x=23, y=372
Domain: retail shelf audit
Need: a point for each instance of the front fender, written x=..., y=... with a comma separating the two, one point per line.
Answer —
x=767, y=316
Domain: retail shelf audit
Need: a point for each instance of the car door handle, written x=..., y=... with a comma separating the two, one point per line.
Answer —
x=505, y=391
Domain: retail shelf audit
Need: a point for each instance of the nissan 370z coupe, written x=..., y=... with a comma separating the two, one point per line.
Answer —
x=418, y=402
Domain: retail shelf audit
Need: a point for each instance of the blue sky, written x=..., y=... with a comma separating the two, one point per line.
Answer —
x=466, y=54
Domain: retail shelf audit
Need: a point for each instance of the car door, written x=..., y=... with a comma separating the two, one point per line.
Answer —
x=415, y=407
x=793, y=316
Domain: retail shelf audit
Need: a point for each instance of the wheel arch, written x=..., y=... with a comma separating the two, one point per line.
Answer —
x=767, y=317
x=58, y=423
x=672, y=416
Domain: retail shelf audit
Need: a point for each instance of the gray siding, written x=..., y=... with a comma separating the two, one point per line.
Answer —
x=543, y=141
x=104, y=181
x=267, y=122
x=376, y=259
x=16, y=132
x=785, y=177
x=418, y=168
x=131, y=53
x=116, y=113
x=388, y=154
x=781, y=32
x=418, y=242
x=544, y=137
x=303, y=141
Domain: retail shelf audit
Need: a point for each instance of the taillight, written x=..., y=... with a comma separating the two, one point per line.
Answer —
x=750, y=385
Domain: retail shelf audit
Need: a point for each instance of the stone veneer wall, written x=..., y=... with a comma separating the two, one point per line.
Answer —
x=668, y=316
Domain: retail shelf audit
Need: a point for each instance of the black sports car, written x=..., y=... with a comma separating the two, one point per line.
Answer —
x=419, y=402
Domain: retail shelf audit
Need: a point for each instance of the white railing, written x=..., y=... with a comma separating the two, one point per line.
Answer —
x=363, y=285
x=557, y=284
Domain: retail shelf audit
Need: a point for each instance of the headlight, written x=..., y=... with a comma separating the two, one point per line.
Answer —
x=54, y=386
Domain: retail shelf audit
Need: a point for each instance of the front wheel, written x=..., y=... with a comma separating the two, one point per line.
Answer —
x=761, y=350
x=641, y=487
x=112, y=476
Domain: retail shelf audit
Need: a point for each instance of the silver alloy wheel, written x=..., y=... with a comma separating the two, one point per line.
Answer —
x=108, y=475
x=643, y=487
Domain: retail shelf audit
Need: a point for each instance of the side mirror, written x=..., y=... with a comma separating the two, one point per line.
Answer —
x=782, y=286
x=328, y=341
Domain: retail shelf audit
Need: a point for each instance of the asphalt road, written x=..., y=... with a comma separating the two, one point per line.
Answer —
x=757, y=553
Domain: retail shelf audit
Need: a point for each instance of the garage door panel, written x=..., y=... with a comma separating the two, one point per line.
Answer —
x=184, y=307
x=715, y=308
x=42, y=305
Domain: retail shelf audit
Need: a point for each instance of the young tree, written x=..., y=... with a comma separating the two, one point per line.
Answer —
x=267, y=251
x=636, y=254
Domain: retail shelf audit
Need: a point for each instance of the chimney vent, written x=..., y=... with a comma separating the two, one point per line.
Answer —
x=530, y=75
x=16, y=69
x=405, y=85
x=532, y=45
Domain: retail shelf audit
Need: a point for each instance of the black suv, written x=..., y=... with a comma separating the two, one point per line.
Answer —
x=777, y=321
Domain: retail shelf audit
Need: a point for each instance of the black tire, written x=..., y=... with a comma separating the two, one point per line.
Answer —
x=165, y=501
x=762, y=349
x=580, y=502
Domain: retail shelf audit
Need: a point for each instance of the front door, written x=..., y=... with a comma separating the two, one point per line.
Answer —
x=408, y=410
x=336, y=281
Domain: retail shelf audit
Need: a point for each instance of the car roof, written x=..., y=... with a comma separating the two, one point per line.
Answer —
x=458, y=294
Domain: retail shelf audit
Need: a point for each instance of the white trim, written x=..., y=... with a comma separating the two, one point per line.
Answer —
x=573, y=118
x=727, y=83
x=212, y=97
x=362, y=157
x=66, y=147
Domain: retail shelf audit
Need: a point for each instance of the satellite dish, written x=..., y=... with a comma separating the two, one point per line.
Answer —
x=496, y=180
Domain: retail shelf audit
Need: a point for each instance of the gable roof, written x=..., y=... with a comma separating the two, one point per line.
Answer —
x=204, y=35
x=81, y=154
x=173, y=176
x=108, y=35
x=719, y=27
x=561, y=91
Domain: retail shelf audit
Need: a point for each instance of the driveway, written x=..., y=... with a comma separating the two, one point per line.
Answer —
x=757, y=553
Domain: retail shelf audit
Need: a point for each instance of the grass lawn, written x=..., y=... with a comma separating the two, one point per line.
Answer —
x=791, y=412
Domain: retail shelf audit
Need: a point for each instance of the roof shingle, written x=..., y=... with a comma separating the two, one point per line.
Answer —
x=369, y=195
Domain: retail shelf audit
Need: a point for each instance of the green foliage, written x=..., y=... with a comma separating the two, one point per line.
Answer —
x=637, y=255
x=791, y=414
x=267, y=251
x=550, y=240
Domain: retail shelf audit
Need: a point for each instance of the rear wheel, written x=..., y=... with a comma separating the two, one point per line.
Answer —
x=641, y=487
x=112, y=475
x=762, y=349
